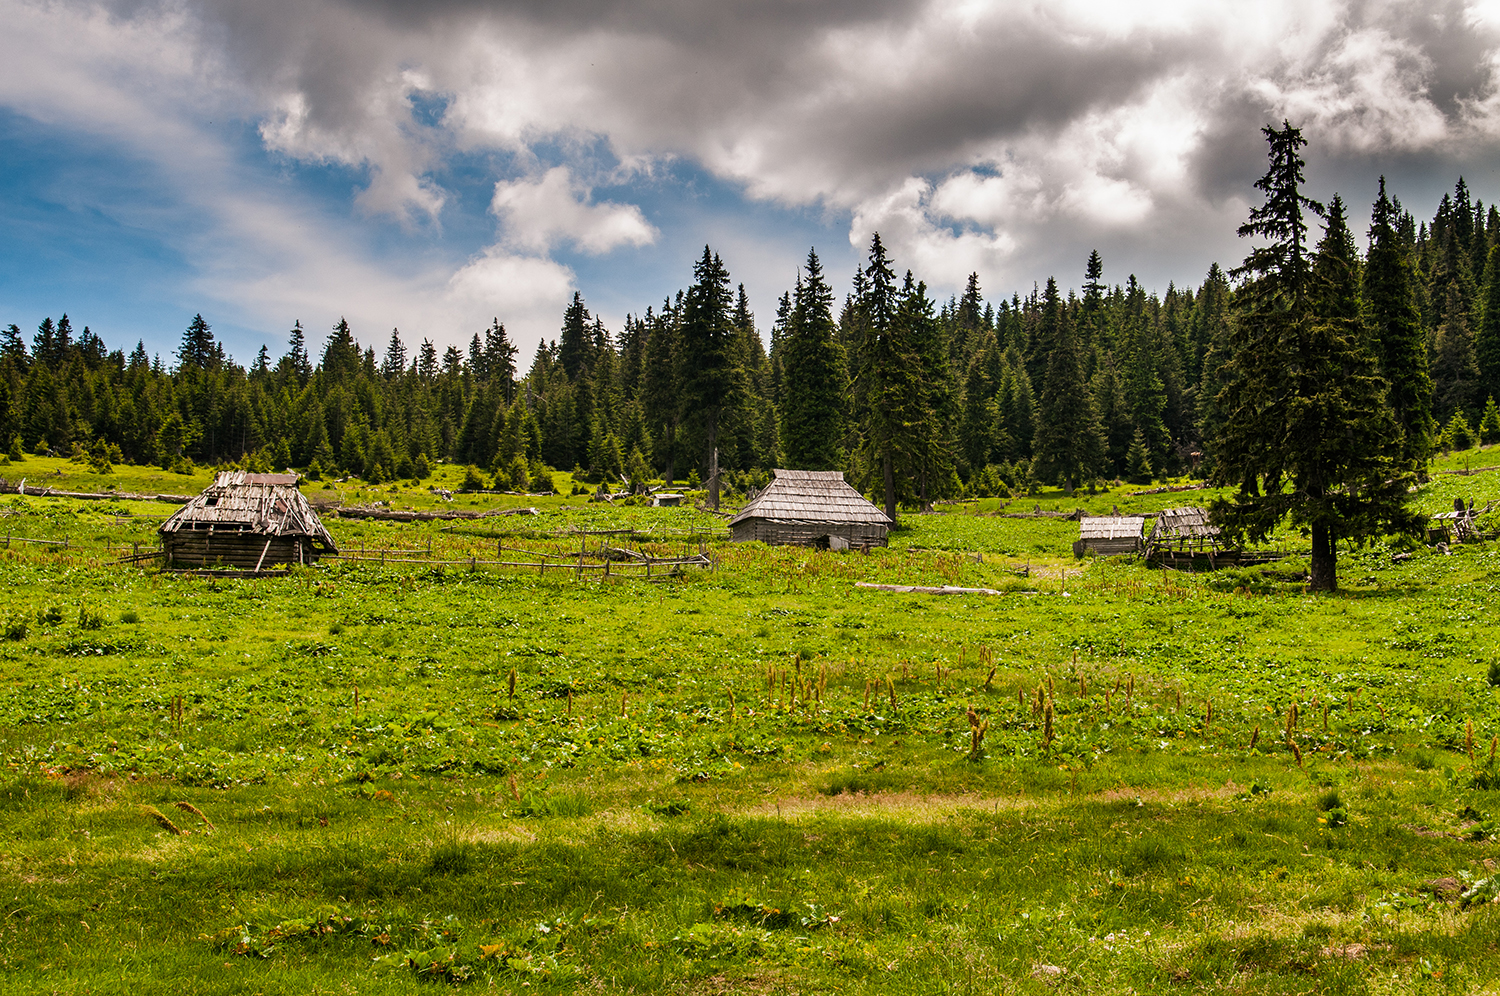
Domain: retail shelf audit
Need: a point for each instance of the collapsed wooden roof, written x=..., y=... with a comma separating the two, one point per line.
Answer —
x=257, y=504
x=1189, y=523
x=1109, y=527
x=810, y=496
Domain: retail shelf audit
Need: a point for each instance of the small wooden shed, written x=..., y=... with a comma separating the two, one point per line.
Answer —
x=1183, y=530
x=248, y=521
x=1109, y=535
x=811, y=508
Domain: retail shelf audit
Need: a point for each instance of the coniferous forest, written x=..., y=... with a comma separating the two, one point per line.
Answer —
x=914, y=397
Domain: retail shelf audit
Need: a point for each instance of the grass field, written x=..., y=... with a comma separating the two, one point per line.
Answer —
x=758, y=778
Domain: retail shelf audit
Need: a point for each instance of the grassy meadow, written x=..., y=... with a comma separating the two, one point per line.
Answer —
x=757, y=778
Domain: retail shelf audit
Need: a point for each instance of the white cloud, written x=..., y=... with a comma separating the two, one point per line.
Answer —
x=974, y=135
x=538, y=214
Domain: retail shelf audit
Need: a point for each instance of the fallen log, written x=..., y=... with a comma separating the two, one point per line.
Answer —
x=32, y=491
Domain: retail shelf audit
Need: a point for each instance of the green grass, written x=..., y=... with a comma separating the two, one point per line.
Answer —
x=757, y=778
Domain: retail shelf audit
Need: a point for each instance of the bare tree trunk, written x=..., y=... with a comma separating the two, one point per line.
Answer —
x=1324, y=566
x=890, y=487
x=713, y=477
x=671, y=454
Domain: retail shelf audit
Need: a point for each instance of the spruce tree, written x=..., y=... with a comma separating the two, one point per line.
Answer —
x=811, y=414
x=500, y=355
x=1487, y=338
x=1396, y=333
x=659, y=394
x=395, y=356
x=1489, y=423
x=197, y=351
x=573, y=347
x=1306, y=432
x=13, y=346
x=706, y=359
x=1455, y=364
x=296, y=357
x=888, y=381
x=1069, y=439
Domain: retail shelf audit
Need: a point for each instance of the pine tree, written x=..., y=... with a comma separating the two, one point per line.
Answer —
x=1396, y=331
x=659, y=393
x=296, y=358
x=1138, y=461
x=811, y=413
x=1114, y=414
x=394, y=364
x=1306, y=430
x=500, y=355
x=888, y=382
x=573, y=347
x=1455, y=366
x=1489, y=423
x=13, y=346
x=341, y=355
x=1069, y=439
x=1487, y=339
x=706, y=359
x=198, y=349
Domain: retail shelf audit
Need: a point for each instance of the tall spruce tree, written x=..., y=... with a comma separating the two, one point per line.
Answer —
x=1396, y=329
x=1487, y=339
x=198, y=348
x=888, y=382
x=706, y=359
x=812, y=410
x=1307, y=432
x=1069, y=439
x=574, y=346
x=297, y=361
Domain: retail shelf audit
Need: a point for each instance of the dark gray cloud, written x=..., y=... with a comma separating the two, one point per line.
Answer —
x=999, y=137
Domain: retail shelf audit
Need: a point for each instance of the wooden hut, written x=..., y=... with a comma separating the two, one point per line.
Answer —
x=1109, y=535
x=1183, y=531
x=247, y=521
x=810, y=508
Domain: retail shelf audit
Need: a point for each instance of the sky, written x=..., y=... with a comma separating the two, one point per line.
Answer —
x=432, y=166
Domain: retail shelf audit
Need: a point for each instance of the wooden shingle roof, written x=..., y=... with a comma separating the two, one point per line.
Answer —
x=262, y=504
x=810, y=496
x=1184, y=523
x=1109, y=527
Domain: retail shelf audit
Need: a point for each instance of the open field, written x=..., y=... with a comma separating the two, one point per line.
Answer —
x=757, y=778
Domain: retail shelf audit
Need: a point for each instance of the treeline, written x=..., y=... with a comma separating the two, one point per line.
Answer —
x=915, y=398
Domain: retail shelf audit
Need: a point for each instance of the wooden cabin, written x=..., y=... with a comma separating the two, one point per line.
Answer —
x=1109, y=535
x=811, y=508
x=1183, y=531
x=246, y=521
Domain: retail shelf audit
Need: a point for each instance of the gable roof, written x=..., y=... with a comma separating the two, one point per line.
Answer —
x=1108, y=527
x=810, y=496
x=263, y=504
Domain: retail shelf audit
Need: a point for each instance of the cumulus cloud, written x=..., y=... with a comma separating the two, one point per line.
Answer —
x=990, y=136
x=540, y=213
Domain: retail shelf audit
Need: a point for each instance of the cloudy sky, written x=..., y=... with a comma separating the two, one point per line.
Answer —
x=429, y=166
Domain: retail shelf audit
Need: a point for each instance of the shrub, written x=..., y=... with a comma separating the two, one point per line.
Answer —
x=1456, y=434
x=472, y=481
x=541, y=478
x=1489, y=423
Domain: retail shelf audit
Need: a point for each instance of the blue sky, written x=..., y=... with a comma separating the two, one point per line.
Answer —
x=432, y=166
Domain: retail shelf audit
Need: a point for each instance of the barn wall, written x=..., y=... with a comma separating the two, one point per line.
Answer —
x=807, y=533
x=1119, y=546
x=190, y=548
